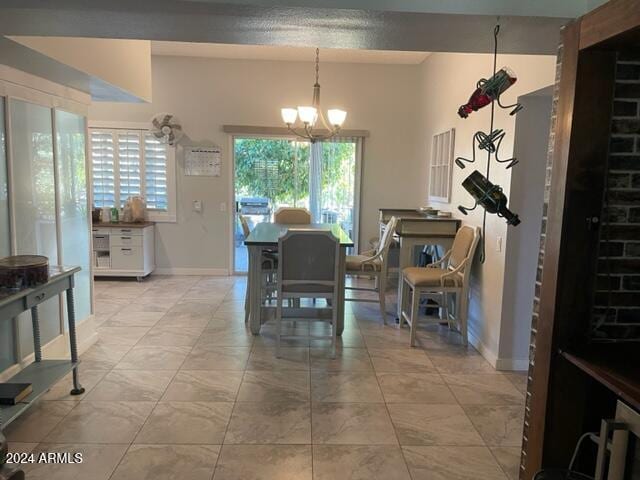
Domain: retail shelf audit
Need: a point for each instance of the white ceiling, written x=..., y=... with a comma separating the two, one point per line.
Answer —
x=293, y=54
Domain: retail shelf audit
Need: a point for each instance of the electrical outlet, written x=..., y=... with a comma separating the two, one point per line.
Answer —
x=223, y=206
x=197, y=206
x=498, y=244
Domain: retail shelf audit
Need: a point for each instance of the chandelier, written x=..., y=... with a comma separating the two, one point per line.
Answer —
x=309, y=115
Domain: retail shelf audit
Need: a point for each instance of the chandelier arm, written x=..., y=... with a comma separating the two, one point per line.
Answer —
x=297, y=134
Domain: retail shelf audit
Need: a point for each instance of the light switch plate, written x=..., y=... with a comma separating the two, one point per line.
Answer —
x=197, y=206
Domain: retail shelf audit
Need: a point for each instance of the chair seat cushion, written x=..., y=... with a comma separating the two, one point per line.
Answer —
x=356, y=262
x=427, y=277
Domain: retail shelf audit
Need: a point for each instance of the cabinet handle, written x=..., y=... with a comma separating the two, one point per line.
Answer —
x=123, y=230
x=125, y=238
x=99, y=236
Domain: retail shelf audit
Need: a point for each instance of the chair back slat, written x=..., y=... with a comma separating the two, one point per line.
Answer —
x=245, y=226
x=308, y=257
x=292, y=216
x=387, y=236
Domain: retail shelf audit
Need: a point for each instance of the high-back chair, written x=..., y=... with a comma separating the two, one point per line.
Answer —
x=450, y=275
x=374, y=263
x=292, y=216
x=245, y=226
x=308, y=268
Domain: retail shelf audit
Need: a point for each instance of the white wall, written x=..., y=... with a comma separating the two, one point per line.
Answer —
x=447, y=80
x=527, y=198
x=208, y=93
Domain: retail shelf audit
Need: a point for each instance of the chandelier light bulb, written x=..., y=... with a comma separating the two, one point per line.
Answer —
x=289, y=115
x=308, y=115
x=336, y=117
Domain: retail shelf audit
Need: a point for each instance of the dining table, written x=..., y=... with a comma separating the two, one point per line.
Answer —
x=264, y=238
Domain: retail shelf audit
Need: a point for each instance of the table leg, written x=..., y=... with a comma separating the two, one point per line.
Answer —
x=37, y=343
x=341, y=291
x=73, y=343
x=255, y=267
x=405, y=260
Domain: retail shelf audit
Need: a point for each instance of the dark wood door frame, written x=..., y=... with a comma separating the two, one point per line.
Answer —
x=579, y=161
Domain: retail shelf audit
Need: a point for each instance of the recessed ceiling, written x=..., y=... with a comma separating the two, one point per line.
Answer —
x=292, y=54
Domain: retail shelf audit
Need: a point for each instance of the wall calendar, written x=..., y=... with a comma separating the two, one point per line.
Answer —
x=202, y=161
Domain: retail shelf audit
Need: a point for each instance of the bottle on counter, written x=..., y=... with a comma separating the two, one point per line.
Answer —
x=115, y=215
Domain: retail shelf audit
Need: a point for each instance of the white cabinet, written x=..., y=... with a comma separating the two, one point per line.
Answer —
x=124, y=250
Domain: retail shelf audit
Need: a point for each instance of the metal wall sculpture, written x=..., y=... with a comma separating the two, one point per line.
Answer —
x=484, y=192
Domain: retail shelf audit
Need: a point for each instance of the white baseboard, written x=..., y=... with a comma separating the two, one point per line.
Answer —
x=217, y=272
x=488, y=354
x=503, y=364
x=512, y=364
x=58, y=348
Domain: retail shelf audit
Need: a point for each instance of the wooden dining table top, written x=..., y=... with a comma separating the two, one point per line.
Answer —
x=267, y=234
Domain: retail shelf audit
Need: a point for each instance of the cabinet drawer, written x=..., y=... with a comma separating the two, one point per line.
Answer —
x=41, y=295
x=126, y=231
x=127, y=258
x=101, y=231
x=124, y=240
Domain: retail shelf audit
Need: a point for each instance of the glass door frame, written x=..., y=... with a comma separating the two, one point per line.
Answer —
x=358, y=140
x=14, y=91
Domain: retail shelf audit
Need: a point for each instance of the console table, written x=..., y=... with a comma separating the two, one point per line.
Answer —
x=41, y=374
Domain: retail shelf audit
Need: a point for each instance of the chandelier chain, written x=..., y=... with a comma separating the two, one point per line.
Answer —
x=317, y=66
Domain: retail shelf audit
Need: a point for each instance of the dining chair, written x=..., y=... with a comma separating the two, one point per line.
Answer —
x=374, y=263
x=308, y=267
x=292, y=216
x=449, y=275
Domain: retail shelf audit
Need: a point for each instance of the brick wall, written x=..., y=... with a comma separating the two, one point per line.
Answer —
x=616, y=313
x=536, y=299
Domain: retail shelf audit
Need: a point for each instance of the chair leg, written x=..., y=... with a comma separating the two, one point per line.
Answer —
x=403, y=295
x=278, y=324
x=382, y=287
x=415, y=313
x=464, y=311
x=247, y=303
x=334, y=331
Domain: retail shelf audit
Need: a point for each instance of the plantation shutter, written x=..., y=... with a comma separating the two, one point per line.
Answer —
x=103, y=167
x=155, y=173
x=129, y=168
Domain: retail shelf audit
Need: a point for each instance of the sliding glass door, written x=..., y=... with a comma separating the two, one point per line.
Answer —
x=33, y=192
x=270, y=173
x=6, y=334
x=74, y=207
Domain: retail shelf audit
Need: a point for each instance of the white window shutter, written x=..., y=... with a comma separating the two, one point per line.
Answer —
x=155, y=170
x=103, y=165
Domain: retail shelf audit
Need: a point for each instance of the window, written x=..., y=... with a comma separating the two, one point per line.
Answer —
x=127, y=162
x=440, y=167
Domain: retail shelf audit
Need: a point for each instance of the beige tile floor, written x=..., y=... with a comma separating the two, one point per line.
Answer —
x=178, y=388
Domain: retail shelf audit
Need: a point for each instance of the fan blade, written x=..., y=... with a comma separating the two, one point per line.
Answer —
x=156, y=123
x=166, y=119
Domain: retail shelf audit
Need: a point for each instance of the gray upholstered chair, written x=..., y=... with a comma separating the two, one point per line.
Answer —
x=374, y=263
x=292, y=216
x=308, y=268
x=450, y=275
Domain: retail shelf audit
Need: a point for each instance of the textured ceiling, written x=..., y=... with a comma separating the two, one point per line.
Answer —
x=297, y=54
x=191, y=21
